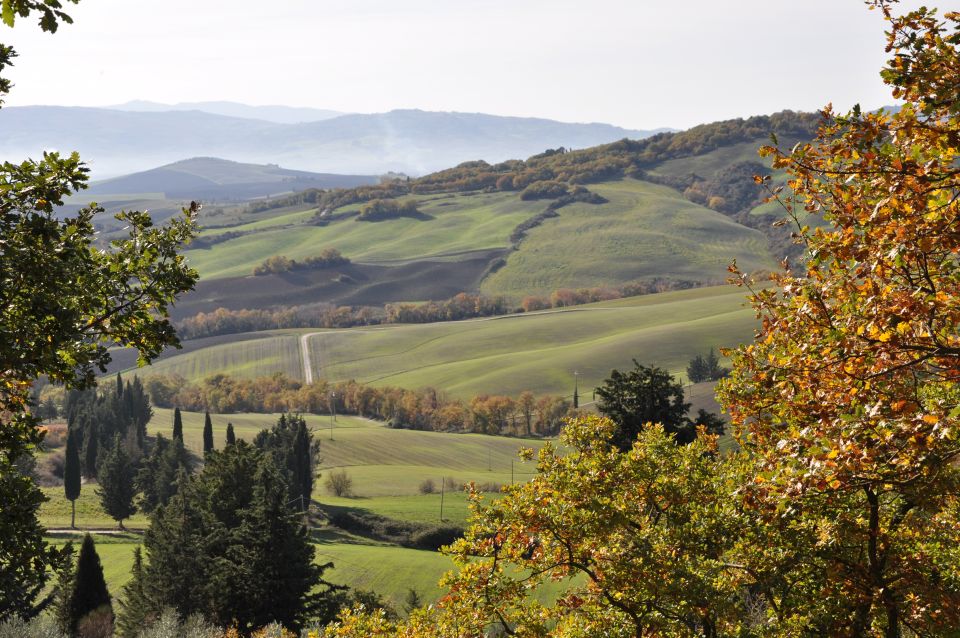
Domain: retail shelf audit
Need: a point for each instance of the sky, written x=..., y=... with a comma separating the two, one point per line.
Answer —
x=639, y=64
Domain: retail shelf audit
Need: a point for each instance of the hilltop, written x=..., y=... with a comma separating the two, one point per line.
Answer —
x=116, y=142
x=211, y=178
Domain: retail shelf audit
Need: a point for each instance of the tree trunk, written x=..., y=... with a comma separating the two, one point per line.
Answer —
x=73, y=513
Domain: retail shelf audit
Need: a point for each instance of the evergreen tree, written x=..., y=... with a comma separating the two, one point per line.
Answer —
x=640, y=396
x=135, y=605
x=697, y=369
x=116, y=477
x=89, y=591
x=207, y=434
x=64, y=589
x=91, y=450
x=233, y=524
x=119, y=385
x=291, y=444
x=231, y=437
x=71, y=475
x=177, y=425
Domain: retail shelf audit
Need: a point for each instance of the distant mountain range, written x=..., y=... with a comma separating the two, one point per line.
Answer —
x=211, y=178
x=118, y=141
x=271, y=113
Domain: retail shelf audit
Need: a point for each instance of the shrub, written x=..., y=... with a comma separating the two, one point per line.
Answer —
x=546, y=189
x=433, y=538
x=40, y=627
x=428, y=486
x=339, y=483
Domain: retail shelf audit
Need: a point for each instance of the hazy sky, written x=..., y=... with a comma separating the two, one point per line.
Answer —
x=635, y=63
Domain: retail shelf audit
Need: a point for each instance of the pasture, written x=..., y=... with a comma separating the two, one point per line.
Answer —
x=504, y=355
x=387, y=467
x=644, y=231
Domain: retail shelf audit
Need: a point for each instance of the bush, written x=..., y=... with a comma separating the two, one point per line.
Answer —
x=169, y=625
x=40, y=627
x=433, y=538
x=428, y=486
x=97, y=624
x=339, y=483
x=546, y=189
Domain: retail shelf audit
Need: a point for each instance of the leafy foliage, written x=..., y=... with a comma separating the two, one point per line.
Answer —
x=849, y=396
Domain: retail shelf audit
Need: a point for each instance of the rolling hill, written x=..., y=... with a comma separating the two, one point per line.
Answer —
x=117, y=142
x=504, y=355
x=211, y=178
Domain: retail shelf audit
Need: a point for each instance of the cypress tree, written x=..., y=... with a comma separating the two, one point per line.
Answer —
x=231, y=437
x=116, y=477
x=135, y=604
x=89, y=592
x=207, y=434
x=64, y=589
x=119, y=385
x=71, y=476
x=177, y=425
x=91, y=451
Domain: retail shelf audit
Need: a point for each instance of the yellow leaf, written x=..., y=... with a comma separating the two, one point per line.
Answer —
x=932, y=419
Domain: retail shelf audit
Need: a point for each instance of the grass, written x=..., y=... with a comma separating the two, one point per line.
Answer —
x=460, y=224
x=538, y=351
x=644, y=231
x=535, y=351
x=269, y=353
x=387, y=467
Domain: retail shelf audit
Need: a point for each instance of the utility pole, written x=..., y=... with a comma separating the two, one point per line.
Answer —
x=442, y=481
x=511, y=471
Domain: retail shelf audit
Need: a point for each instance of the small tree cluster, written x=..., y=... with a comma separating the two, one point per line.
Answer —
x=277, y=264
x=706, y=368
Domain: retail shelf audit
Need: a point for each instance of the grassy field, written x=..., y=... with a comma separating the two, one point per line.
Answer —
x=387, y=467
x=538, y=351
x=644, y=231
x=535, y=351
x=477, y=222
x=269, y=352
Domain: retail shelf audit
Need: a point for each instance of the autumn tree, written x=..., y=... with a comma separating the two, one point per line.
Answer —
x=849, y=398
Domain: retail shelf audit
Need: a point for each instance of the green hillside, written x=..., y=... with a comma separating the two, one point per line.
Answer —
x=645, y=231
x=537, y=351
x=480, y=221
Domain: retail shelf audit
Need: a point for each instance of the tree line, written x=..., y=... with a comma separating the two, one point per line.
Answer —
x=426, y=409
x=223, y=321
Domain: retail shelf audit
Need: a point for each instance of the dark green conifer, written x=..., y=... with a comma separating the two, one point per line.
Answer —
x=71, y=475
x=207, y=434
x=89, y=591
x=63, y=589
x=231, y=437
x=91, y=450
x=177, y=425
x=116, y=477
x=135, y=606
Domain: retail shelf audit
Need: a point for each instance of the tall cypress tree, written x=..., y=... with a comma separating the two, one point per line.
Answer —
x=91, y=451
x=89, y=592
x=207, y=434
x=71, y=476
x=231, y=436
x=119, y=385
x=177, y=425
x=116, y=477
x=135, y=604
